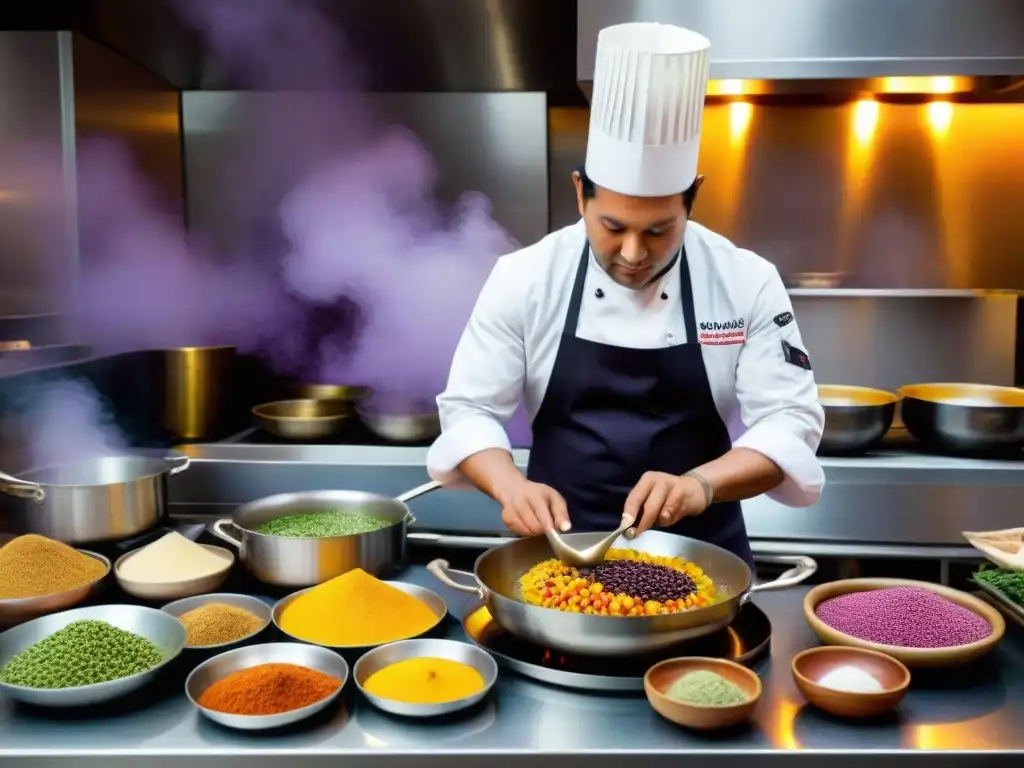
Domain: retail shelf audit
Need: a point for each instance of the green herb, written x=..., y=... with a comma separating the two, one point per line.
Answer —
x=319, y=525
x=1010, y=583
x=705, y=688
x=83, y=653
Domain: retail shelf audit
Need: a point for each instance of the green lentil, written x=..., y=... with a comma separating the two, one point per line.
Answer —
x=705, y=688
x=1010, y=583
x=319, y=525
x=83, y=653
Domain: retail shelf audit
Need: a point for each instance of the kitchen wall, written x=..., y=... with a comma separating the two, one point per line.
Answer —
x=906, y=206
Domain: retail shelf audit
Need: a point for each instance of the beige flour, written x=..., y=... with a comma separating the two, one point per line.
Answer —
x=171, y=558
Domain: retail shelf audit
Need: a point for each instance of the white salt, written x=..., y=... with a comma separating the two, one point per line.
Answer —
x=170, y=559
x=850, y=679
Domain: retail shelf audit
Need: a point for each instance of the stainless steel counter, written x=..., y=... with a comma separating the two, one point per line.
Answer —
x=890, y=499
x=972, y=715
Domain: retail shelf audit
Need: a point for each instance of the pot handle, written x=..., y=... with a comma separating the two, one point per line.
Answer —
x=443, y=572
x=183, y=463
x=803, y=568
x=21, y=488
x=419, y=490
x=217, y=529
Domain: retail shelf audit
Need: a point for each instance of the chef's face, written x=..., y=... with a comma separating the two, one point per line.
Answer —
x=633, y=238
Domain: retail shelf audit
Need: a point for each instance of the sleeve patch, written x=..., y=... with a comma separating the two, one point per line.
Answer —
x=796, y=356
x=783, y=319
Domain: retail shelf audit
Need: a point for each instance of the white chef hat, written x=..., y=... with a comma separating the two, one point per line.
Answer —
x=645, y=111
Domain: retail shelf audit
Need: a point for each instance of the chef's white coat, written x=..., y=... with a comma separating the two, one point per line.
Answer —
x=507, y=351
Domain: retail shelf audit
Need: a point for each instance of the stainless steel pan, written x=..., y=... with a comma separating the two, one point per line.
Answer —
x=972, y=418
x=303, y=419
x=855, y=417
x=306, y=562
x=497, y=571
x=107, y=498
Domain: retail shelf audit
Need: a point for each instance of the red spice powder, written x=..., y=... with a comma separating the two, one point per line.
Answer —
x=268, y=689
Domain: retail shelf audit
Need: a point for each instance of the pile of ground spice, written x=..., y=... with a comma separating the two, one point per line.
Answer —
x=908, y=617
x=268, y=689
x=218, y=623
x=33, y=566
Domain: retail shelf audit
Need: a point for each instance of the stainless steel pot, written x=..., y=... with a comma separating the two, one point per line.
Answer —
x=497, y=573
x=304, y=562
x=972, y=418
x=107, y=498
x=855, y=417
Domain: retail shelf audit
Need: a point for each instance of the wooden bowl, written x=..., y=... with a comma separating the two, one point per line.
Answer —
x=912, y=657
x=662, y=675
x=812, y=670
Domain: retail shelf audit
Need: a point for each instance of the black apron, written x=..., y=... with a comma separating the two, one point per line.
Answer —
x=612, y=413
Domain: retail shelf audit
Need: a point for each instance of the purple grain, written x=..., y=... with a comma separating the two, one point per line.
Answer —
x=909, y=617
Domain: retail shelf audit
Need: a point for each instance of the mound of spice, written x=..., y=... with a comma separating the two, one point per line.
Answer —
x=268, y=689
x=628, y=583
x=705, y=688
x=908, y=617
x=320, y=525
x=83, y=653
x=425, y=681
x=218, y=623
x=356, y=609
x=33, y=566
x=171, y=558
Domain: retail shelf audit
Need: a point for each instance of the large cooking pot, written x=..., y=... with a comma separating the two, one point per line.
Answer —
x=106, y=498
x=971, y=418
x=305, y=562
x=497, y=573
x=855, y=417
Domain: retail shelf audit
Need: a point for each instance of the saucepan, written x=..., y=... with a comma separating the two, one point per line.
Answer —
x=971, y=418
x=855, y=417
x=305, y=562
x=497, y=571
x=106, y=498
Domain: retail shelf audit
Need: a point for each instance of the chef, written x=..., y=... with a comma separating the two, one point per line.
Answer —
x=660, y=365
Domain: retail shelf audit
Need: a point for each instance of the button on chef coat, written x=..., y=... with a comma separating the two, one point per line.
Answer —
x=507, y=351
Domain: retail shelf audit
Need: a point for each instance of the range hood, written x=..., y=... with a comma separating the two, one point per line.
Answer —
x=829, y=39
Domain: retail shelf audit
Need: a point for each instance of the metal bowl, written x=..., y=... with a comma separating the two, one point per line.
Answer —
x=386, y=655
x=307, y=419
x=855, y=417
x=433, y=601
x=224, y=664
x=349, y=394
x=23, y=609
x=964, y=417
x=248, y=603
x=401, y=427
x=171, y=590
x=161, y=629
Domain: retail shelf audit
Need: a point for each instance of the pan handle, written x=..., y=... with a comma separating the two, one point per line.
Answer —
x=443, y=572
x=21, y=488
x=218, y=530
x=181, y=463
x=418, y=491
x=803, y=568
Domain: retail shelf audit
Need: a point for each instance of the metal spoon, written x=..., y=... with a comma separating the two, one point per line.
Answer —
x=592, y=555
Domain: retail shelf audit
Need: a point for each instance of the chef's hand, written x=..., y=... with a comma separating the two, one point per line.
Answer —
x=662, y=499
x=529, y=509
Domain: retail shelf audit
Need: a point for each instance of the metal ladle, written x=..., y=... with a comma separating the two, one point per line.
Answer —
x=592, y=555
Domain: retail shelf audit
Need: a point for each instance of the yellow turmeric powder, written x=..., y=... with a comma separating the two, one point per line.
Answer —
x=425, y=681
x=355, y=609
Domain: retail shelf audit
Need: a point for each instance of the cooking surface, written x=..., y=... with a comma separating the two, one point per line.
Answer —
x=979, y=708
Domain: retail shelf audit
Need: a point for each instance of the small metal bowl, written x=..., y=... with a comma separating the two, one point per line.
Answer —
x=811, y=669
x=248, y=603
x=161, y=629
x=401, y=427
x=175, y=590
x=224, y=664
x=392, y=653
x=24, y=609
x=433, y=601
x=306, y=419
